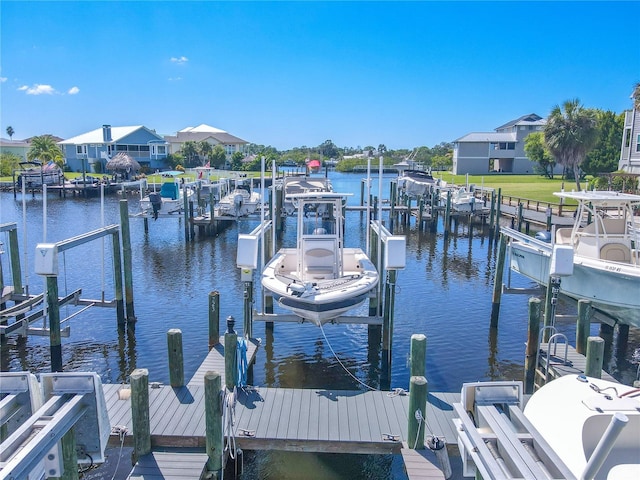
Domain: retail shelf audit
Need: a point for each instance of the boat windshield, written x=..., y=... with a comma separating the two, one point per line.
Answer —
x=319, y=219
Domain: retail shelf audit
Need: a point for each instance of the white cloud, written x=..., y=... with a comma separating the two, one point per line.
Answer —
x=179, y=60
x=175, y=79
x=3, y=79
x=73, y=90
x=38, y=89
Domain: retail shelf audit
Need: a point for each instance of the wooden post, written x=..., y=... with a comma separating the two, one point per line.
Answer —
x=14, y=254
x=214, y=319
x=248, y=311
x=54, y=324
x=595, y=357
x=362, y=194
x=549, y=213
x=417, y=408
x=213, y=419
x=374, y=301
x=139, y=381
x=230, y=349
x=392, y=201
x=533, y=337
x=176, y=358
x=497, y=282
x=498, y=202
x=520, y=215
x=128, y=264
x=583, y=325
x=117, y=278
x=185, y=209
x=69, y=456
x=622, y=340
x=192, y=228
x=418, y=355
x=387, y=320
x=447, y=214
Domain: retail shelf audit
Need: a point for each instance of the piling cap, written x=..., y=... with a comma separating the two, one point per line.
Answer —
x=230, y=324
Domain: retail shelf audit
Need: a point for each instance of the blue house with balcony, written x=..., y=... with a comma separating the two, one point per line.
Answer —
x=92, y=150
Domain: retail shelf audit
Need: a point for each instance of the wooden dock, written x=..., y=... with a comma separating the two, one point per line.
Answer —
x=301, y=420
x=575, y=364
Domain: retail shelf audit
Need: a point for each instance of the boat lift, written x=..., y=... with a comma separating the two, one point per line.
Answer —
x=35, y=419
x=496, y=439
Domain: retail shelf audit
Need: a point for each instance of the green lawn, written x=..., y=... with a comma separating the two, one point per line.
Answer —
x=532, y=187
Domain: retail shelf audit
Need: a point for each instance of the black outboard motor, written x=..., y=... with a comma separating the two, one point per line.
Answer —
x=156, y=204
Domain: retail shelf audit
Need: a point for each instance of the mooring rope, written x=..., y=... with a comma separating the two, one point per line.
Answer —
x=342, y=365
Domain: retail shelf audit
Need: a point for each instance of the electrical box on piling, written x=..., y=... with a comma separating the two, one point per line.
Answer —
x=247, y=256
x=561, y=261
x=46, y=260
x=395, y=252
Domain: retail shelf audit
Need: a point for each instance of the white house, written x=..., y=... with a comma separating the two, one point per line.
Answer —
x=499, y=151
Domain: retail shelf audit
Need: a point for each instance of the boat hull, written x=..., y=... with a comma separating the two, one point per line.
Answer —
x=572, y=414
x=319, y=300
x=612, y=287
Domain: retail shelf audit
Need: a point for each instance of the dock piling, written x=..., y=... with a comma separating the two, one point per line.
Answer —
x=139, y=381
x=417, y=409
x=127, y=263
x=176, y=357
x=583, y=324
x=533, y=337
x=497, y=282
x=230, y=349
x=213, y=419
x=418, y=354
x=214, y=319
x=595, y=357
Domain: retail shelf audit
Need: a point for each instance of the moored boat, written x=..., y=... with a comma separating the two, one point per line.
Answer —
x=605, y=263
x=302, y=184
x=416, y=183
x=582, y=417
x=240, y=201
x=320, y=279
x=169, y=199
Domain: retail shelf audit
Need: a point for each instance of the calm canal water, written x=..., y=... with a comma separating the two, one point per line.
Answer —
x=445, y=293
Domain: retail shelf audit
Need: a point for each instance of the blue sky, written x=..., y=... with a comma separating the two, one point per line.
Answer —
x=296, y=74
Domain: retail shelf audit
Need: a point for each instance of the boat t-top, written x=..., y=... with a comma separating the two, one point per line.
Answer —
x=320, y=279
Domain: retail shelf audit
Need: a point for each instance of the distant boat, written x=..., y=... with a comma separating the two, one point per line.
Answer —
x=320, y=279
x=605, y=267
x=314, y=166
x=35, y=174
x=241, y=200
x=170, y=198
x=416, y=183
x=462, y=200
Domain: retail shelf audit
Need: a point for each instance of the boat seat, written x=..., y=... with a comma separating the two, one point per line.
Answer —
x=563, y=236
x=319, y=256
x=169, y=190
x=615, y=252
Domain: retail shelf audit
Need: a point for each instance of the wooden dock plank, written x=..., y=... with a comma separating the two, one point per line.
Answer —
x=181, y=415
x=315, y=397
x=214, y=361
x=576, y=362
x=363, y=419
x=305, y=410
x=283, y=426
x=294, y=419
x=352, y=414
x=323, y=419
x=195, y=422
x=275, y=413
x=343, y=421
x=332, y=421
x=169, y=466
x=421, y=464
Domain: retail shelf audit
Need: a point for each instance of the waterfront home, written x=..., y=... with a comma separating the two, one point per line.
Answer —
x=630, y=150
x=499, y=151
x=92, y=150
x=206, y=133
x=20, y=147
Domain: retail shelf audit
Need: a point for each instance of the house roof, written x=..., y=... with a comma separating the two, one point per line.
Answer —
x=481, y=137
x=202, y=128
x=529, y=119
x=222, y=137
x=96, y=136
x=13, y=143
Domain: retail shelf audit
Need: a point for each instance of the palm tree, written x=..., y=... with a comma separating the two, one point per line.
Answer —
x=189, y=152
x=636, y=96
x=10, y=132
x=571, y=134
x=205, y=149
x=45, y=149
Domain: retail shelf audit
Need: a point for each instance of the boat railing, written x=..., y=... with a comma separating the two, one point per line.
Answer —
x=524, y=238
